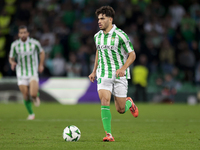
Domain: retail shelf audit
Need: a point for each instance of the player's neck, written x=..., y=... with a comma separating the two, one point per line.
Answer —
x=108, y=29
x=24, y=40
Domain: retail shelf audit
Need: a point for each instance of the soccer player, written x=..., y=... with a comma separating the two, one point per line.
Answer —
x=26, y=50
x=114, y=55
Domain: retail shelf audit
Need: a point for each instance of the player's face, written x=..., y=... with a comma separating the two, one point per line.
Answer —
x=104, y=21
x=23, y=34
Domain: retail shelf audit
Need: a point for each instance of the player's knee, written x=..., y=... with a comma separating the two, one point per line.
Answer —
x=34, y=95
x=121, y=110
x=105, y=101
x=25, y=96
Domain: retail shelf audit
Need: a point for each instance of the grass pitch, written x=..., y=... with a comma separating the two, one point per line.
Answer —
x=158, y=127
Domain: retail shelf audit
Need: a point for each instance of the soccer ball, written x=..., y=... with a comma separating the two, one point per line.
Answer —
x=71, y=133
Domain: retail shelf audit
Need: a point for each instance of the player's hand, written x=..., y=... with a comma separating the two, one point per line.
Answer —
x=41, y=68
x=13, y=65
x=120, y=73
x=92, y=76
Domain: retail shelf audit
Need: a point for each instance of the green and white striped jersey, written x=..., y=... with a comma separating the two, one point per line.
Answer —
x=27, y=57
x=113, y=49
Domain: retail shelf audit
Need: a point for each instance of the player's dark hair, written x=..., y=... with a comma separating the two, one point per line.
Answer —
x=22, y=27
x=105, y=10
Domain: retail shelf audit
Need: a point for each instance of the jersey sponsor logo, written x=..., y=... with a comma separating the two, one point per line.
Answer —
x=25, y=53
x=109, y=47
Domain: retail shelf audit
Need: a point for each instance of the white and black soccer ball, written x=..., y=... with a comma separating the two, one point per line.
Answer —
x=71, y=133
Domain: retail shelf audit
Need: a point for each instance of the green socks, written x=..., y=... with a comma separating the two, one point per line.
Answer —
x=28, y=106
x=128, y=105
x=106, y=118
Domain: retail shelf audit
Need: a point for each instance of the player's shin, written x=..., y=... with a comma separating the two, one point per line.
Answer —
x=36, y=101
x=28, y=105
x=127, y=105
x=106, y=118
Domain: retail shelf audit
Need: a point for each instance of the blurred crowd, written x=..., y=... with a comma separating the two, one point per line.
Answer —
x=165, y=36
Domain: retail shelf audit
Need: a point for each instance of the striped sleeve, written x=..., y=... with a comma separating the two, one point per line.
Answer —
x=38, y=46
x=96, y=34
x=125, y=41
x=12, y=50
x=95, y=37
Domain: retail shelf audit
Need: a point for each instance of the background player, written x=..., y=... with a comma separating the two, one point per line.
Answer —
x=111, y=67
x=26, y=50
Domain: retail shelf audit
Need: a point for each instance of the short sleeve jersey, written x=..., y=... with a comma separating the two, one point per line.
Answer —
x=27, y=57
x=113, y=49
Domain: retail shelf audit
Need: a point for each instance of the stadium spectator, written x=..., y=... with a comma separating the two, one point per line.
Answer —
x=153, y=25
x=194, y=7
x=177, y=11
x=82, y=57
x=178, y=74
x=187, y=66
x=75, y=39
x=72, y=66
x=188, y=28
x=140, y=78
x=169, y=88
x=69, y=15
x=152, y=55
x=158, y=9
x=57, y=48
x=166, y=56
x=47, y=39
x=58, y=65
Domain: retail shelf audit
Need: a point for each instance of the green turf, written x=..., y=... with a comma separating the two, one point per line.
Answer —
x=158, y=127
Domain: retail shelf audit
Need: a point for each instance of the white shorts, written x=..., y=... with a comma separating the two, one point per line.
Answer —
x=26, y=81
x=118, y=87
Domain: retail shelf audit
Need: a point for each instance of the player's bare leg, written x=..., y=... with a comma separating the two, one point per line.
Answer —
x=25, y=92
x=124, y=104
x=105, y=97
x=120, y=103
x=33, y=92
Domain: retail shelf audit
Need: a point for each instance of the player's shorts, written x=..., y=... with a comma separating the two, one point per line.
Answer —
x=26, y=81
x=118, y=87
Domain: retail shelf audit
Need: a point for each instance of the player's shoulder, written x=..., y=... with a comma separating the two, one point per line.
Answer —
x=119, y=31
x=34, y=41
x=121, y=34
x=97, y=34
x=16, y=42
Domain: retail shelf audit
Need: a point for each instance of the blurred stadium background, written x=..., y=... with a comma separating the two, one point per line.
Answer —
x=165, y=37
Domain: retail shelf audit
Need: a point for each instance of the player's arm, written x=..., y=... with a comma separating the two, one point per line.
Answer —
x=96, y=62
x=12, y=55
x=42, y=58
x=129, y=61
x=131, y=58
x=93, y=74
x=128, y=47
x=12, y=63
